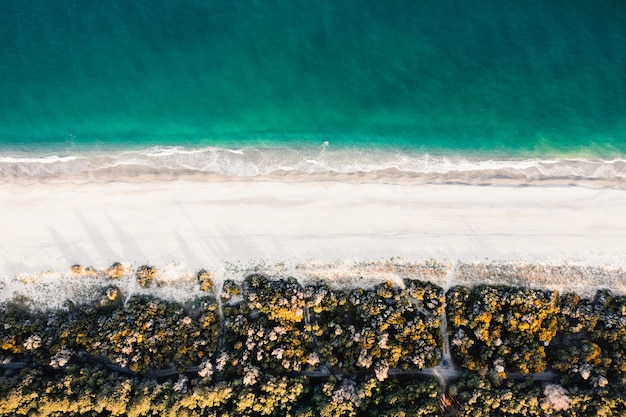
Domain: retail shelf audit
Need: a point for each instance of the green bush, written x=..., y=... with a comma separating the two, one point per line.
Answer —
x=378, y=329
x=502, y=329
x=593, y=342
x=266, y=329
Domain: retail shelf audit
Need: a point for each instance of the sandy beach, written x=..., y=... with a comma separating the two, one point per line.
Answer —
x=196, y=224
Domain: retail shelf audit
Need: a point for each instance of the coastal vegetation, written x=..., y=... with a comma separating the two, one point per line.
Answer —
x=377, y=329
x=499, y=329
x=268, y=346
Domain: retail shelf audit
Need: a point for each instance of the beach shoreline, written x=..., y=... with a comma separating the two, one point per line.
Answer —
x=312, y=164
x=387, y=176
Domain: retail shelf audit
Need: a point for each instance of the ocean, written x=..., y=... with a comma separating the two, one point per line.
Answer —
x=250, y=87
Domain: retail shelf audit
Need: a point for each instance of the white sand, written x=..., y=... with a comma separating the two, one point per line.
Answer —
x=329, y=227
x=205, y=223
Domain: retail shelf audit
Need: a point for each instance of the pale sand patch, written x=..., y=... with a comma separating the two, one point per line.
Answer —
x=190, y=224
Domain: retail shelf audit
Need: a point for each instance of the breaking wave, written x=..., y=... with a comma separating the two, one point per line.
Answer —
x=252, y=162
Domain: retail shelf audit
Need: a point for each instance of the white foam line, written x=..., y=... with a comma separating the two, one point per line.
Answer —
x=253, y=162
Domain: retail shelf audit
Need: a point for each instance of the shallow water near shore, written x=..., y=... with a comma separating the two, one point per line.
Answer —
x=535, y=80
x=321, y=163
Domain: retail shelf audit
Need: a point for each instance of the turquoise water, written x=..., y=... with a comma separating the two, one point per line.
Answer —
x=531, y=78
